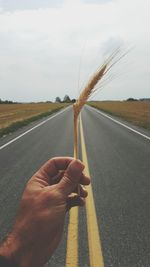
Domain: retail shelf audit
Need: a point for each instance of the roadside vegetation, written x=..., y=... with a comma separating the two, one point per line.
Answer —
x=136, y=112
x=14, y=116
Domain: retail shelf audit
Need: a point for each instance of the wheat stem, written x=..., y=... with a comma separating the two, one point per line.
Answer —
x=89, y=90
x=75, y=134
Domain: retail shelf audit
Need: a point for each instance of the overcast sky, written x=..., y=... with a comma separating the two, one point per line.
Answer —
x=49, y=48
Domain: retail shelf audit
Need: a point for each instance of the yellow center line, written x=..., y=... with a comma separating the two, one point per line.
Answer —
x=95, y=251
x=72, y=238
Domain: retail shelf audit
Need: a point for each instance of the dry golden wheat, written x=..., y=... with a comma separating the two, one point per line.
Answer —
x=84, y=96
x=89, y=90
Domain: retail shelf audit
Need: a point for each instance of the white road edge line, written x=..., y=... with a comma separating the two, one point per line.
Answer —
x=122, y=124
x=38, y=125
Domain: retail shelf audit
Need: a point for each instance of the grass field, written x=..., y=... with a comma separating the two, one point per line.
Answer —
x=13, y=116
x=136, y=112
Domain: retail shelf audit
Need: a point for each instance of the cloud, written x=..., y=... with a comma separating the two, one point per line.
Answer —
x=45, y=51
x=96, y=1
x=33, y=4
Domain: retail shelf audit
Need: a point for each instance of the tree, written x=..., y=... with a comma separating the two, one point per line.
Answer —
x=67, y=99
x=6, y=101
x=58, y=100
x=131, y=99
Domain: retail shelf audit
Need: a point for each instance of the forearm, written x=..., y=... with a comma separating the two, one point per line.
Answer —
x=18, y=253
x=40, y=219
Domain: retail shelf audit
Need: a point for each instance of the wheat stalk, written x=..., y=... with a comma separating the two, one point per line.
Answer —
x=88, y=90
x=84, y=96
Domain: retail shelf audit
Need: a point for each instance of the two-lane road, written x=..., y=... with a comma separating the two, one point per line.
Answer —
x=119, y=164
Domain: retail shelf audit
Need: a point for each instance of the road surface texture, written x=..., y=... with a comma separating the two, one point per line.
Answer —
x=119, y=164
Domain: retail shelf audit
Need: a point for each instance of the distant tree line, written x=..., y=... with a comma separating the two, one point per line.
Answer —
x=6, y=102
x=66, y=99
x=141, y=99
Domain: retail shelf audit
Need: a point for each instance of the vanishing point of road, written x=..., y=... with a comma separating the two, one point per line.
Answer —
x=114, y=228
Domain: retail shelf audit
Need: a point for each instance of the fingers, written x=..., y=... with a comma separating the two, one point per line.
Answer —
x=56, y=179
x=76, y=200
x=73, y=201
x=65, y=171
x=84, y=180
x=83, y=192
x=72, y=177
x=52, y=167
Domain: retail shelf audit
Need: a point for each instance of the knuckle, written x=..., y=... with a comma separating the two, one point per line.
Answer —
x=68, y=180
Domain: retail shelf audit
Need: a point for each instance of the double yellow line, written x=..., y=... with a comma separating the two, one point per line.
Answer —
x=94, y=244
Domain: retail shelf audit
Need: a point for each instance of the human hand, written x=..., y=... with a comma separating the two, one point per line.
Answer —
x=39, y=223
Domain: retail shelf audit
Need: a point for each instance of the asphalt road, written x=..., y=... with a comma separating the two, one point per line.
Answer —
x=119, y=163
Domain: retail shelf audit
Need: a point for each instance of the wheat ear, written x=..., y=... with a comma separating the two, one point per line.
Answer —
x=88, y=90
x=84, y=96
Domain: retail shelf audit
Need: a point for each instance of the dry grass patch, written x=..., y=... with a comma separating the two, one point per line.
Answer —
x=13, y=116
x=136, y=112
x=10, y=113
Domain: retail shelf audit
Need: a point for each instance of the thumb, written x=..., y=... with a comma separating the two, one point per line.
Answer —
x=71, y=177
